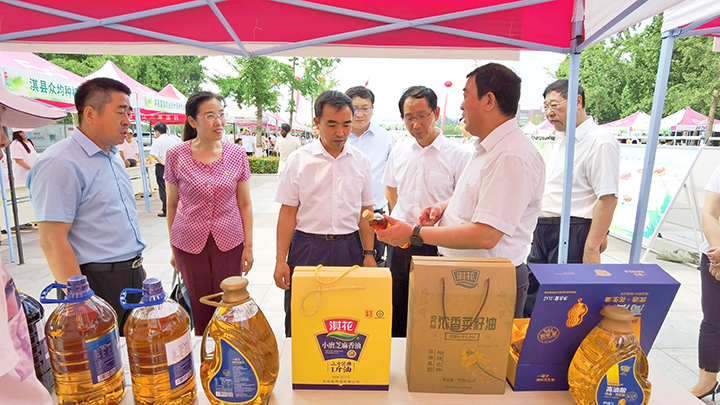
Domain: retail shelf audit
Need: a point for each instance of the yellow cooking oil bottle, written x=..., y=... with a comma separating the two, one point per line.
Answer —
x=82, y=336
x=609, y=367
x=159, y=346
x=239, y=354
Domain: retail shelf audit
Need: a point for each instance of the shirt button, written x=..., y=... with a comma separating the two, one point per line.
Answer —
x=209, y=222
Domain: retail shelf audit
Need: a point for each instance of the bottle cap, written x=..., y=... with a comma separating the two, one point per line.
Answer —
x=77, y=286
x=617, y=319
x=368, y=215
x=152, y=287
x=234, y=290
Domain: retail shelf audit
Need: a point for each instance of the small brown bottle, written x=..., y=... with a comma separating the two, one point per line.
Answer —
x=378, y=222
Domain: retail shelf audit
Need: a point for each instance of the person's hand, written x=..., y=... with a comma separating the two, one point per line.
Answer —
x=429, y=216
x=397, y=235
x=714, y=254
x=604, y=244
x=172, y=261
x=282, y=275
x=591, y=255
x=715, y=270
x=247, y=260
x=369, y=261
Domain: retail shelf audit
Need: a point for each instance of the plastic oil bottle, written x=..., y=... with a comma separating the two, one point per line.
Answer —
x=159, y=346
x=82, y=336
x=239, y=353
x=609, y=367
x=35, y=314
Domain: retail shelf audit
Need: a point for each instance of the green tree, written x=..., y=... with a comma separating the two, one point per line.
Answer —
x=316, y=78
x=618, y=74
x=184, y=72
x=256, y=82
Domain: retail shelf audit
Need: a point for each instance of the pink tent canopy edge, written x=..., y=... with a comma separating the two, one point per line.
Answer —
x=693, y=121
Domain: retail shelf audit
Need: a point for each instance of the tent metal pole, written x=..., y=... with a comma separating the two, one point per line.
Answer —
x=704, y=31
x=661, y=81
x=7, y=217
x=570, y=129
x=141, y=153
x=21, y=256
x=220, y=16
x=685, y=30
x=610, y=24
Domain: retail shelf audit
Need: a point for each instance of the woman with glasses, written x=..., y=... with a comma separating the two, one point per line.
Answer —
x=209, y=207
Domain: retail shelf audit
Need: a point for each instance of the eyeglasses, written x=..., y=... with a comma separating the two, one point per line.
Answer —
x=366, y=110
x=411, y=120
x=210, y=117
x=552, y=106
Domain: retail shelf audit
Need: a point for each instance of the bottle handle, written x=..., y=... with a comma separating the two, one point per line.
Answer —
x=143, y=301
x=45, y=300
x=208, y=300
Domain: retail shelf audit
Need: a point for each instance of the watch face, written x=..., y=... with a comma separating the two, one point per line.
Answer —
x=416, y=240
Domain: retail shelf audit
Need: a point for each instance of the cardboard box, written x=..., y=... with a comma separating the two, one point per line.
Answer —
x=342, y=338
x=443, y=357
x=555, y=331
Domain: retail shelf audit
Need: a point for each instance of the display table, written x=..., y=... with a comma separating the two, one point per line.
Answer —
x=665, y=391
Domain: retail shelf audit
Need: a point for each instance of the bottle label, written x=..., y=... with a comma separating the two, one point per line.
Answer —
x=236, y=380
x=620, y=386
x=179, y=358
x=41, y=339
x=104, y=356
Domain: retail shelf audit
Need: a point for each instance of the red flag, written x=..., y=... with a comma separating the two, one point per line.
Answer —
x=367, y=82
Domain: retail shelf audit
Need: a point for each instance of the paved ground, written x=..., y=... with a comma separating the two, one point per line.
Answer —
x=674, y=352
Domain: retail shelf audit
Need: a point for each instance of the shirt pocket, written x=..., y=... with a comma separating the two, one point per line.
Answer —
x=440, y=185
x=467, y=203
x=350, y=189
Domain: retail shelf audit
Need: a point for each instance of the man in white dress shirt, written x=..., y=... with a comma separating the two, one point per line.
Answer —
x=375, y=142
x=596, y=175
x=158, y=150
x=326, y=186
x=420, y=172
x=495, y=205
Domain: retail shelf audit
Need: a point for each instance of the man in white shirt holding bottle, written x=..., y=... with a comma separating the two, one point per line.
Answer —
x=420, y=172
x=494, y=208
x=158, y=151
x=375, y=142
x=326, y=186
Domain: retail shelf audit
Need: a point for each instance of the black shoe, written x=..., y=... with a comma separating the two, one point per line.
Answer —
x=712, y=391
x=162, y=214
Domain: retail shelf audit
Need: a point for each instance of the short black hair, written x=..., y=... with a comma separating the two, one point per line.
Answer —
x=418, y=92
x=286, y=128
x=333, y=98
x=502, y=82
x=362, y=92
x=561, y=86
x=97, y=93
x=160, y=127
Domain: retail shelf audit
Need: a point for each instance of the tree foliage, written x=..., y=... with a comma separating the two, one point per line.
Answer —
x=618, y=74
x=316, y=78
x=184, y=72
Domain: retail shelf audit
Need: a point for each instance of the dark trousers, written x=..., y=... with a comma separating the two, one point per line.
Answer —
x=709, y=340
x=202, y=274
x=545, y=245
x=399, y=260
x=160, y=177
x=108, y=280
x=310, y=250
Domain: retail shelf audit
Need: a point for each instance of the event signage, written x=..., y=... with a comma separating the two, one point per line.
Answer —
x=39, y=86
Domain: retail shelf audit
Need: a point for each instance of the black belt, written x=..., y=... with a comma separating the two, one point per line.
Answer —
x=131, y=264
x=556, y=221
x=326, y=237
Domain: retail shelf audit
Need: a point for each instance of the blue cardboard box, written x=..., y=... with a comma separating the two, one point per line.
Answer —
x=557, y=326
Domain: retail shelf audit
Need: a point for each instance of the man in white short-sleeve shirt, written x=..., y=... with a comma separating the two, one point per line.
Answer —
x=326, y=186
x=420, y=171
x=376, y=143
x=495, y=205
x=158, y=150
x=596, y=174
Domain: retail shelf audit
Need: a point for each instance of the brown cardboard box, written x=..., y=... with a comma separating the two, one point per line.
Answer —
x=441, y=356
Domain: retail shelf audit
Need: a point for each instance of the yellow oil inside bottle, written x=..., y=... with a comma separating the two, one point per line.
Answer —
x=609, y=367
x=158, y=338
x=238, y=333
x=72, y=329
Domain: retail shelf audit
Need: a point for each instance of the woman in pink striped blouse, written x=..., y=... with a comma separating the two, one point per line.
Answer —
x=209, y=212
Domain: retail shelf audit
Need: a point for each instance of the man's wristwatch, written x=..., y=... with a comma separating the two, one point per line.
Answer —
x=415, y=239
x=370, y=252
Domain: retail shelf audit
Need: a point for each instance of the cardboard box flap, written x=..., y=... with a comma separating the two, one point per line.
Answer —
x=601, y=274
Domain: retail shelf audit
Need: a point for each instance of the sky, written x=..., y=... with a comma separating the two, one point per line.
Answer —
x=387, y=78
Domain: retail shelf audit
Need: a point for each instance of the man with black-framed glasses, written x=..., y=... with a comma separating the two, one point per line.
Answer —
x=375, y=142
x=596, y=175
